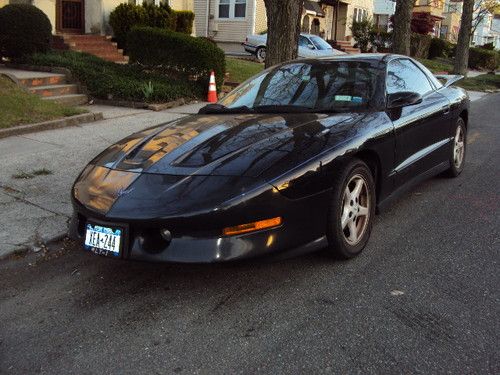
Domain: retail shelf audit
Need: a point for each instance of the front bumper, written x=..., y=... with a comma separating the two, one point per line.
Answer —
x=209, y=249
x=249, y=48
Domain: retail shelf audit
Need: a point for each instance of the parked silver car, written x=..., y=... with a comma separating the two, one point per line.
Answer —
x=310, y=46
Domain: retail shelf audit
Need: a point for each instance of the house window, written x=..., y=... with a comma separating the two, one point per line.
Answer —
x=232, y=8
x=360, y=15
x=240, y=8
x=224, y=6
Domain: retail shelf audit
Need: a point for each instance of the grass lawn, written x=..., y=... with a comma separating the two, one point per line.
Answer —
x=240, y=70
x=483, y=82
x=18, y=107
x=436, y=65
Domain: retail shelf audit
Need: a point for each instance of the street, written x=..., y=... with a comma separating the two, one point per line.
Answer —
x=423, y=297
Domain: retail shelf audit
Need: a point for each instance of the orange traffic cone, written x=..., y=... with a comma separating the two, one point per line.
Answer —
x=212, y=91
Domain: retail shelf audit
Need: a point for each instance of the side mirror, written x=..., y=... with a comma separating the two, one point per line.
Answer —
x=403, y=99
x=311, y=46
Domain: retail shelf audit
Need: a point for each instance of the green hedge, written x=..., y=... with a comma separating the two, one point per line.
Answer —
x=419, y=45
x=107, y=80
x=480, y=58
x=182, y=54
x=441, y=48
x=125, y=16
x=24, y=30
x=185, y=20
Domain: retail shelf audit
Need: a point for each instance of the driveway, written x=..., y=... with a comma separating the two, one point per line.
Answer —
x=39, y=168
x=423, y=298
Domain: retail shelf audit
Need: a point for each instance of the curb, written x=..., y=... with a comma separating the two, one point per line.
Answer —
x=53, y=124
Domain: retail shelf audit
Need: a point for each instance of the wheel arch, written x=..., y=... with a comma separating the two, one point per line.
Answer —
x=372, y=160
x=465, y=116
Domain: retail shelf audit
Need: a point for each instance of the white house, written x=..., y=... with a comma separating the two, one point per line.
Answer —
x=382, y=12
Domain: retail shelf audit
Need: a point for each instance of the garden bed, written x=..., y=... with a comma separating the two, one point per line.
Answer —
x=109, y=81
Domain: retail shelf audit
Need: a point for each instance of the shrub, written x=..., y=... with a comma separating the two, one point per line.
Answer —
x=382, y=40
x=185, y=21
x=169, y=51
x=123, y=18
x=362, y=33
x=105, y=80
x=419, y=45
x=438, y=48
x=488, y=46
x=24, y=30
x=480, y=58
x=160, y=16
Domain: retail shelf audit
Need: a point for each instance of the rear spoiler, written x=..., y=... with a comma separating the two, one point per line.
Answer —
x=449, y=79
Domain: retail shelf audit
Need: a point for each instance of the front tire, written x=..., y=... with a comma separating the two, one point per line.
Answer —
x=260, y=54
x=458, y=149
x=352, y=209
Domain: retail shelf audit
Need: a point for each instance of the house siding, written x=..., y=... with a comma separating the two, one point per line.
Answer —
x=225, y=30
x=359, y=4
x=182, y=4
x=260, y=17
x=200, y=17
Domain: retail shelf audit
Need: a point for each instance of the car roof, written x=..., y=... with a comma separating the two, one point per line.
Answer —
x=362, y=56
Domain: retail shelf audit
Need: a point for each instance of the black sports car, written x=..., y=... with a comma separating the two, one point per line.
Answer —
x=300, y=156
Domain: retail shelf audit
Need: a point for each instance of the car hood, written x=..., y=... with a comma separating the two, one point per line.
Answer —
x=187, y=167
x=245, y=145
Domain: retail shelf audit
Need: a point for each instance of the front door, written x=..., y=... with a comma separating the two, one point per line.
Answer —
x=70, y=16
x=422, y=130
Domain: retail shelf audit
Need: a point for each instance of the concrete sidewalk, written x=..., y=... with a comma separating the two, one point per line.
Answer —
x=36, y=208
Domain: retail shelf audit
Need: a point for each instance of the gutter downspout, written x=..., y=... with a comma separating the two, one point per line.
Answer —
x=208, y=18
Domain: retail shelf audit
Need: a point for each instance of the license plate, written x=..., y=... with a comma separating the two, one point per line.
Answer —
x=103, y=240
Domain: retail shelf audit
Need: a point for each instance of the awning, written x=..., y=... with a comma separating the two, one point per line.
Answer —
x=312, y=7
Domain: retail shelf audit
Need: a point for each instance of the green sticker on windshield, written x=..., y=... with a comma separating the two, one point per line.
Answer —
x=343, y=98
x=306, y=78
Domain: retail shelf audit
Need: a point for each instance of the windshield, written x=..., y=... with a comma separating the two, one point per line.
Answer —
x=328, y=86
x=319, y=43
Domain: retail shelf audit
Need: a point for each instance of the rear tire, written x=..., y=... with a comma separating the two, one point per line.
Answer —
x=260, y=54
x=352, y=209
x=458, y=149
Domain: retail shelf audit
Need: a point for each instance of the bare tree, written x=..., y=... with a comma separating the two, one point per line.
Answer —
x=401, y=27
x=463, y=43
x=283, y=30
x=482, y=9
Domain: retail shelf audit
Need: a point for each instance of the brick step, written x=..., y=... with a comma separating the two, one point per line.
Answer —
x=98, y=50
x=82, y=37
x=56, y=79
x=92, y=43
x=54, y=90
x=72, y=99
x=113, y=57
x=109, y=55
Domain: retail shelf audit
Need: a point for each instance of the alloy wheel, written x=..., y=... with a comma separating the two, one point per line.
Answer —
x=355, y=209
x=458, y=147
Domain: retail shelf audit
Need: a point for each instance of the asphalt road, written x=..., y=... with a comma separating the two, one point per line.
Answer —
x=423, y=298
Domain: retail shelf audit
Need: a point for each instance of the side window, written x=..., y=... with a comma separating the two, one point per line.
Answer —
x=403, y=75
x=303, y=41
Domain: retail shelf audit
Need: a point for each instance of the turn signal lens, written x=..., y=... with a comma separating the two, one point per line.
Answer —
x=251, y=227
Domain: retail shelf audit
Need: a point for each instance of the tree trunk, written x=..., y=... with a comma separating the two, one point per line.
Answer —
x=283, y=30
x=463, y=43
x=401, y=28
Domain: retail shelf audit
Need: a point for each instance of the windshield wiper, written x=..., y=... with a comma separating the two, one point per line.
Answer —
x=219, y=108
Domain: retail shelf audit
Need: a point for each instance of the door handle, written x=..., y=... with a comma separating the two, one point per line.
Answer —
x=446, y=109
